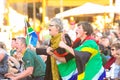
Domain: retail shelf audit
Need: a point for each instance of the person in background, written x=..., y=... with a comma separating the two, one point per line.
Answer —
x=113, y=37
x=3, y=61
x=104, y=59
x=34, y=65
x=14, y=60
x=105, y=42
x=110, y=61
x=117, y=29
x=87, y=54
x=113, y=72
x=98, y=36
x=71, y=31
x=13, y=47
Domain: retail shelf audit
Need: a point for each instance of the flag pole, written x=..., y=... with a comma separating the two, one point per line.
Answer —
x=34, y=13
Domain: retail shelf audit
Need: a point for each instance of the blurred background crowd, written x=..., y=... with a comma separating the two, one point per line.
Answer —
x=103, y=15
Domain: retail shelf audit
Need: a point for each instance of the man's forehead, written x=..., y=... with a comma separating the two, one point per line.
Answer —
x=18, y=41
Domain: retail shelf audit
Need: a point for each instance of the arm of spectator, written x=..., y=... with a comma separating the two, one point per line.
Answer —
x=14, y=61
x=21, y=75
x=4, y=65
x=50, y=52
x=69, y=49
x=39, y=51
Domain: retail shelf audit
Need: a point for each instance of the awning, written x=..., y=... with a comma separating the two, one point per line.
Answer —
x=88, y=8
x=71, y=3
x=57, y=3
x=23, y=1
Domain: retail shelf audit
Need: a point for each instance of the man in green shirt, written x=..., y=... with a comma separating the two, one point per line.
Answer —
x=34, y=65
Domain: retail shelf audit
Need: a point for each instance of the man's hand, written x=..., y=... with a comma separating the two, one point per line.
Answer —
x=9, y=75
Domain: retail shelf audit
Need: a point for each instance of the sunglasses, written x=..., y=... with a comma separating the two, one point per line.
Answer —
x=51, y=25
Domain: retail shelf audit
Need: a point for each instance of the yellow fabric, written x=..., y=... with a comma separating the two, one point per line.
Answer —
x=91, y=50
x=54, y=44
x=81, y=76
x=54, y=67
x=55, y=41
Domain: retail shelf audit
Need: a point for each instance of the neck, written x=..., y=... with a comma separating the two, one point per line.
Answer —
x=23, y=51
x=83, y=37
x=56, y=33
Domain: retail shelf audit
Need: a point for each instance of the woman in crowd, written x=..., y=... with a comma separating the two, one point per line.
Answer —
x=87, y=54
x=112, y=73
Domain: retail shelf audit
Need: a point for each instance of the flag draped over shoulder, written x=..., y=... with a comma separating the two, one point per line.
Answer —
x=31, y=37
x=90, y=62
x=68, y=70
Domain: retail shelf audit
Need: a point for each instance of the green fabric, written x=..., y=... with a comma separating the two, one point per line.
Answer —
x=104, y=59
x=12, y=52
x=95, y=62
x=31, y=59
x=66, y=68
x=30, y=29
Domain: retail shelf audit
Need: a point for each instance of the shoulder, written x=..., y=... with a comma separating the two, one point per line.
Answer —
x=90, y=43
x=29, y=52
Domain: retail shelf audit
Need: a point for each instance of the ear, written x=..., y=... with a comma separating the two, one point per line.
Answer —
x=58, y=29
